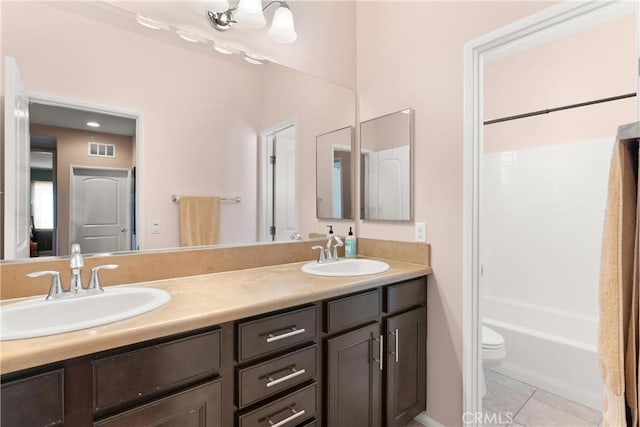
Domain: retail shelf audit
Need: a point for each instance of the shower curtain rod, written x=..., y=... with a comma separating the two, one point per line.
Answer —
x=565, y=107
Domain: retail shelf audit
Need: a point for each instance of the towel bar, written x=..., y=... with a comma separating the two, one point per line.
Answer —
x=236, y=199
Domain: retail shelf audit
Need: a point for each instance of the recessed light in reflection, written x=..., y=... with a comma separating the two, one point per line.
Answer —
x=150, y=23
x=222, y=49
x=253, y=59
x=93, y=124
x=192, y=38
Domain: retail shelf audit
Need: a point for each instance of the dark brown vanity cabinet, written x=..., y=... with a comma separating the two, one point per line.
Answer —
x=354, y=360
x=173, y=381
x=37, y=400
x=406, y=334
x=277, y=372
x=375, y=369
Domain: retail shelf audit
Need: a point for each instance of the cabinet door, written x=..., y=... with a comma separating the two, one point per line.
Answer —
x=406, y=361
x=199, y=406
x=354, y=373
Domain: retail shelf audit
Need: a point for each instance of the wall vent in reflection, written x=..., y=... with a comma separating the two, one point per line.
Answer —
x=98, y=149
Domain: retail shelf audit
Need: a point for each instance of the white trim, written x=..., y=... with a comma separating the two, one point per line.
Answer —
x=60, y=101
x=475, y=52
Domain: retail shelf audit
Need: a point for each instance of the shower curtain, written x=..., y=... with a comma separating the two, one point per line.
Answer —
x=619, y=285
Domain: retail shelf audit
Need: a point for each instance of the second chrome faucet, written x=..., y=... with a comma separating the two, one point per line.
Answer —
x=327, y=254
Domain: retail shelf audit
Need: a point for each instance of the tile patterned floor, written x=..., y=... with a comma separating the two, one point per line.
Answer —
x=529, y=406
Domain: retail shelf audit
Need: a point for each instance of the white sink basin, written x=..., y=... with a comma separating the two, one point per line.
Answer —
x=346, y=267
x=38, y=318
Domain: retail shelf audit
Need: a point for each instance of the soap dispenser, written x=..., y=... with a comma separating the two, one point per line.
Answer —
x=350, y=245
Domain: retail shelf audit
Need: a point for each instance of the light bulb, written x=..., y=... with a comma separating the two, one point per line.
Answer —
x=249, y=14
x=282, y=29
x=216, y=6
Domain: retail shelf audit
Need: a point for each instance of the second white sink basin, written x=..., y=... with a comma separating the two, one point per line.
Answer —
x=38, y=318
x=346, y=267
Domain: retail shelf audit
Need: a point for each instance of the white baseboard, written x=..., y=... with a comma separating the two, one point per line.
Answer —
x=426, y=420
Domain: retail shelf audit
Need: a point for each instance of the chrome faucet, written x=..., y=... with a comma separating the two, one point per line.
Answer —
x=77, y=262
x=333, y=256
x=75, y=285
x=327, y=255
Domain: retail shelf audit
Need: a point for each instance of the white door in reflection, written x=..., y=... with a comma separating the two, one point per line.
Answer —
x=100, y=212
x=279, y=209
x=387, y=183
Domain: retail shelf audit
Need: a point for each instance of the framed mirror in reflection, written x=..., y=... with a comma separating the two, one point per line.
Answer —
x=205, y=125
x=334, y=174
x=386, y=152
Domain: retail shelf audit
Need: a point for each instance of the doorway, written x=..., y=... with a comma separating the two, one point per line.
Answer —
x=45, y=116
x=563, y=18
x=43, y=190
x=278, y=204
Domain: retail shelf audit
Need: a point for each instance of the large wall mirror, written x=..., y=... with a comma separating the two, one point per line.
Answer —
x=334, y=174
x=203, y=124
x=386, y=150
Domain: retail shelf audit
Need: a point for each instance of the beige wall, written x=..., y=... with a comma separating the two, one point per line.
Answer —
x=419, y=63
x=595, y=63
x=71, y=150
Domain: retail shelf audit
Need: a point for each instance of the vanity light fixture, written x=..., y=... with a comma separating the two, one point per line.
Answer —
x=250, y=14
x=93, y=124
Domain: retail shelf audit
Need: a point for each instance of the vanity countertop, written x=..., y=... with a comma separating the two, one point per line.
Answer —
x=197, y=302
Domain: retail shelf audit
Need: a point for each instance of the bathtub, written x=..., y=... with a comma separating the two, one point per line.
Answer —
x=564, y=362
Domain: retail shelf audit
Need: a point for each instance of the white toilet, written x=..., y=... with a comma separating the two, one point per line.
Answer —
x=493, y=352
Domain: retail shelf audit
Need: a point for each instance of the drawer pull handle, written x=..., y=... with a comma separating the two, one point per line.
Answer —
x=294, y=373
x=294, y=331
x=397, y=352
x=295, y=415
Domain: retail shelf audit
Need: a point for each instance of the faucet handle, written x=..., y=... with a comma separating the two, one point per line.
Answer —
x=94, y=279
x=321, y=254
x=55, y=288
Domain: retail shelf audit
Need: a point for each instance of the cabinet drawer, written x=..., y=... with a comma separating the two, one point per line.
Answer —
x=406, y=295
x=141, y=373
x=352, y=311
x=289, y=411
x=199, y=406
x=262, y=336
x=265, y=379
x=34, y=401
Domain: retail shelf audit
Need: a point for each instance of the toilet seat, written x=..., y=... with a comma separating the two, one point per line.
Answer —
x=491, y=339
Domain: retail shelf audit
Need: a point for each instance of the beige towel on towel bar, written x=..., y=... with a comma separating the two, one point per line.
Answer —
x=199, y=220
x=619, y=293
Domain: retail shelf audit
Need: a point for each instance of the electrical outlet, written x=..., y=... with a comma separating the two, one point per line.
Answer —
x=421, y=232
x=155, y=226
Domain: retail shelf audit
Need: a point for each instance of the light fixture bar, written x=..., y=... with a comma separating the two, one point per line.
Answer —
x=250, y=14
